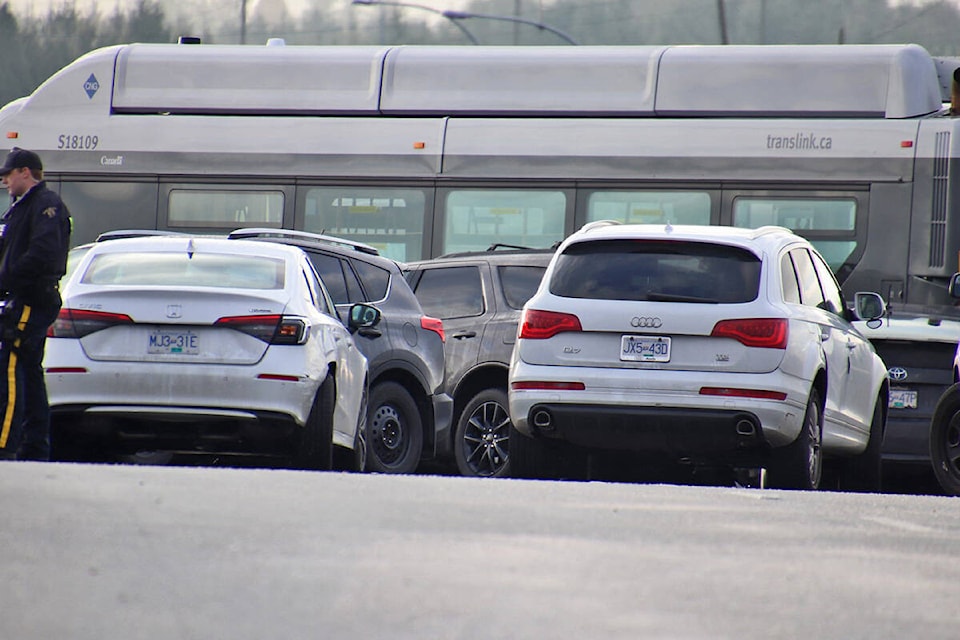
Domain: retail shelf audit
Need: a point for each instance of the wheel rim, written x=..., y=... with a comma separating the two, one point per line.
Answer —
x=486, y=439
x=814, y=459
x=388, y=436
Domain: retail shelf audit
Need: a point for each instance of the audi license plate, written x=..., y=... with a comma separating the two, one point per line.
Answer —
x=645, y=349
x=902, y=399
x=173, y=342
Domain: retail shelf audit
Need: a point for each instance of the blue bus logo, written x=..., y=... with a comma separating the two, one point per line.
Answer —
x=91, y=86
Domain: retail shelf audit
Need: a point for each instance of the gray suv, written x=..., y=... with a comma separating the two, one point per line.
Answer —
x=409, y=414
x=478, y=295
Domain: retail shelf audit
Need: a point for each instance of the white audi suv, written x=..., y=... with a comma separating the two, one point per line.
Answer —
x=701, y=345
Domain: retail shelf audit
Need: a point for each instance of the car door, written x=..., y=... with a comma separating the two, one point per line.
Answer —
x=456, y=295
x=830, y=328
x=856, y=401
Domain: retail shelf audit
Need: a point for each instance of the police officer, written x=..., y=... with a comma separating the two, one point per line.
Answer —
x=34, y=240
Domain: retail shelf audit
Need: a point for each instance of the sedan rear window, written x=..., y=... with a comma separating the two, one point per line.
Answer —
x=664, y=271
x=182, y=269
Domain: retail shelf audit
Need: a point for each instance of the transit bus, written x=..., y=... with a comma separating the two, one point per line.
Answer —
x=426, y=150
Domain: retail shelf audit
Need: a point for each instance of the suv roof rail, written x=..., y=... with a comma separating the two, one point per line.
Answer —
x=597, y=224
x=117, y=234
x=504, y=245
x=257, y=232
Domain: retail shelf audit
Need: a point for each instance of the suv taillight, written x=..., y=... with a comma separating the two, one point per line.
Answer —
x=435, y=325
x=272, y=329
x=77, y=323
x=540, y=325
x=769, y=333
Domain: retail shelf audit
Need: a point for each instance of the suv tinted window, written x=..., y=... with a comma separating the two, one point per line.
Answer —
x=657, y=270
x=452, y=292
x=810, y=293
x=519, y=283
x=339, y=278
x=831, y=292
x=374, y=279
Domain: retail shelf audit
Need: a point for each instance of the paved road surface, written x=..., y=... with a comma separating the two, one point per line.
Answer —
x=125, y=552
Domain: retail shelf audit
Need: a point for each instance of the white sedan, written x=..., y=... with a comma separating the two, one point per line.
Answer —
x=201, y=344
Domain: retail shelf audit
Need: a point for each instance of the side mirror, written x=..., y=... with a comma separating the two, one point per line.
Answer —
x=954, y=287
x=869, y=306
x=363, y=316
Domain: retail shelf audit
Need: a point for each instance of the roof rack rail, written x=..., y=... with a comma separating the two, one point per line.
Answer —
x=503, y=245
x=597, y=224
x=118, y=234
x=257, y=232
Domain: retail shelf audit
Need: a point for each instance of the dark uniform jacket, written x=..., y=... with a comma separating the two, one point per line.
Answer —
x=34, y=240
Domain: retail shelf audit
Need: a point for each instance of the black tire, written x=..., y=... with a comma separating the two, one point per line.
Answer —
x=945, y=441
x=394, y=430
x=316, y=441
x=481, y=442
x=540, y=459
x=799, y=465
x=864, y=472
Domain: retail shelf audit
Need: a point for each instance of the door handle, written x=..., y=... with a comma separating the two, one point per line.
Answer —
x=465, y=334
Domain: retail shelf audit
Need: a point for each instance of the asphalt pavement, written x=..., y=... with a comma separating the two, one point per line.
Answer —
x=113, y=551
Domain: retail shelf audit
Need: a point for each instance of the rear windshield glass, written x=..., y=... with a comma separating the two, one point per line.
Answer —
x=666, y=271
x=180, y=269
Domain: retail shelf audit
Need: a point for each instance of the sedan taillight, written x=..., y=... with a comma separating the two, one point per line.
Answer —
x=272, y=329
x=540, y=325
x=77, y=323
x=769, y=333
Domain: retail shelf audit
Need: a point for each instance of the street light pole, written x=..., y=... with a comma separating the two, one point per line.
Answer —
x=410, y=5
x=463, y=15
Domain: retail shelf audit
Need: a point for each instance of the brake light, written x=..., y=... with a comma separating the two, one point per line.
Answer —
x=272, y=329
x=768, y=333
x=540, y=325
x=730, y=392
x=547, y=385
x=435, y=325
x=77, y=323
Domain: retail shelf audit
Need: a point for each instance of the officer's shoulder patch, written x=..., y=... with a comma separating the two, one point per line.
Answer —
x=50, y=212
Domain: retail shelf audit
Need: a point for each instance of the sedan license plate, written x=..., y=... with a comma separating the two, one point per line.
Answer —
x=173, y=342
x=645, y=349
x=902, y=399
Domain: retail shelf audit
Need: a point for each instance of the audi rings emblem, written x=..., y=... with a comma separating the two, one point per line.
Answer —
x=897, y=373
x=645, y=323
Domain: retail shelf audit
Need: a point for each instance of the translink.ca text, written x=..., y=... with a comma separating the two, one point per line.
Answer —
x=799, y=141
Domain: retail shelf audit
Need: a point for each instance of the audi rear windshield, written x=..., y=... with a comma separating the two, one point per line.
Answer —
x=657, y=270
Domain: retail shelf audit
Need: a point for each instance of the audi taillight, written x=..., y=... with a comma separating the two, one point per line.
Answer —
x=77, y=323
x=768, y=333
x=540, y=325
x=272, y=329
x=435, y=325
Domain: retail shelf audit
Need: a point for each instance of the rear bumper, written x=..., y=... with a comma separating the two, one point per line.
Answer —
x=907, y=438
x=189, y=429
x=700, y=436
x=442, y=424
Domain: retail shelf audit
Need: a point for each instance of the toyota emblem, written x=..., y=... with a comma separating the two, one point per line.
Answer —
x=640, y=322
x=897, y=373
